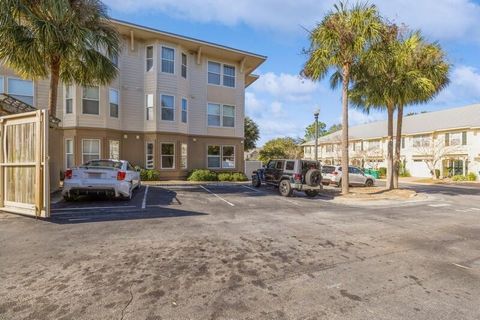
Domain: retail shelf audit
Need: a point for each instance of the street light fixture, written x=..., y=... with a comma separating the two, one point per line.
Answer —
x=316, y=114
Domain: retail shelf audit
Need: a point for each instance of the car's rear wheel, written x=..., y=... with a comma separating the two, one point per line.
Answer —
x=369, y=183
x=285, y=188
x=311, y=193
x=256, y=181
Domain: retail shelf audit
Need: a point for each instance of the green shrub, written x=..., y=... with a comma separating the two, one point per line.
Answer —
x=239, y=176
x=382, y=171
x=471, y=176
x=405, y=173
x=459, y=177
x=225, y=176
x=202, y=175
x=149, y=175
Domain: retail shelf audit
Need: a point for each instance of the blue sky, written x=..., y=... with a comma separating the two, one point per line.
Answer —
x=281, y=102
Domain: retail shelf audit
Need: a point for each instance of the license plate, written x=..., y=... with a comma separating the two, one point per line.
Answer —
x=95, y=175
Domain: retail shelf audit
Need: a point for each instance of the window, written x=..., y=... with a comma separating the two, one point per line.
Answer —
x=90, y=150
x=421, y=141
x=221, y=116
x=168, y=107
x=1, y=85
x=149, y=161
x=168, y=60
x=228, y=157
x=464, y=139
x=213, y=156
x=290, y=165
x=90, y=101
x=68, y=99
x=184, y=110
x=329, y=148
x=168, y=156
x=228, y=116
x=214, y=115
x=114, y=152
x=183, y=155
x=21, y=90
x=271, y=164
x=455, y=139
x=279, y=165
x=69, y=155
x=113, y=96
x=229, y=76
x=114, y=59
x=184, y=65
x=214, y=70
x=149, y=106
x=149, y=58
x=374, y=144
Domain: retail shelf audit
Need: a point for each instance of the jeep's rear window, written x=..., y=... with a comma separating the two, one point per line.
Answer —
x=290, y=165
x=110, y=164
x=328, y=169
x=309, y=165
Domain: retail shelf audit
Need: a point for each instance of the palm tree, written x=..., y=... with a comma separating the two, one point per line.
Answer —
x=67, y=40
x=395, y=72
x=425, y=75
x=337, y=43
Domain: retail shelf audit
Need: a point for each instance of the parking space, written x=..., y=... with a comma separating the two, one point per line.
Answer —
x=154, y=200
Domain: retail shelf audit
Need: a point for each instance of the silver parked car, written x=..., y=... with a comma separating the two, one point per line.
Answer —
x=356, y=176
x=115, y=178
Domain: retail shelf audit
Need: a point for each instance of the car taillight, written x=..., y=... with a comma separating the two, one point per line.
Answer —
x=121, y=175
x=68, y=174
x=297, y=177
x=335, y=173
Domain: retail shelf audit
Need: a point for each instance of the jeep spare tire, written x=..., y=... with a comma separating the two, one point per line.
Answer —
x=313, y=177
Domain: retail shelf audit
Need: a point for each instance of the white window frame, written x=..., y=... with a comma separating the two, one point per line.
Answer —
x=234, y=156
x=454, y=136
x=147, y=107
x=69, y=153
x=147, y=165
x=182, y=111
x=15, y=78
x=72, y=98
x=172, y=61
x=184, y=66
x=110, y=149
x=167, y=155
x=2, y=84
x=98, y=100
x=110, y=102
x=222, y=74
x=219, y=156
x=161, y=107
x=147, y=58
x=227, y=75
x=99, y=149
x=184, y=156
x=221, y=115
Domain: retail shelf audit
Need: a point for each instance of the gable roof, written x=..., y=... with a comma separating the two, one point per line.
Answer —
x=449, y=119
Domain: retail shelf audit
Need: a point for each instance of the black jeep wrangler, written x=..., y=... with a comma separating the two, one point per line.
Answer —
x=289, y=175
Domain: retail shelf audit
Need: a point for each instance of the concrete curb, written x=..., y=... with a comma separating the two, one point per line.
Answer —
x=193, y=183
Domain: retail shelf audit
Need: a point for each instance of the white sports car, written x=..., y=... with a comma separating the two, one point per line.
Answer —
x=115, y=178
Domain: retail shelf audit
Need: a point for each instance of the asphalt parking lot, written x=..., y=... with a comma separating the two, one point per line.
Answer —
x=233, y=252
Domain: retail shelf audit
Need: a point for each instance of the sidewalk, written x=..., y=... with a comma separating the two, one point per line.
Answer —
x=427, y=181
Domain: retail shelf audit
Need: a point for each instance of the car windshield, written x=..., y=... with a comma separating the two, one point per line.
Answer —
x=104, y=164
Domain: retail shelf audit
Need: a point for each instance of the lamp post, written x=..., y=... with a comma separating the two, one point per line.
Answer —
x=316, y=114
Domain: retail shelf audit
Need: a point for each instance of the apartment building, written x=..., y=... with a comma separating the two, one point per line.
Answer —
x=177, y=104
x=447, y=140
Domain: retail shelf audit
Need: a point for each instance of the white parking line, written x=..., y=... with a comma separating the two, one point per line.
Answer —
x=282, y=198
x=216, y=195
x=144, y=202
x=91, y=208
x=438, y=205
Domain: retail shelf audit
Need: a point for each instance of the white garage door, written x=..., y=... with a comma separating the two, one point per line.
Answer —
x=419, y=169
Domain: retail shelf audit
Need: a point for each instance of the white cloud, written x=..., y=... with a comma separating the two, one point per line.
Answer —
x=440, y=19
x=356, y=117
x=289, y=86
x=276, y=108
x=464, y=87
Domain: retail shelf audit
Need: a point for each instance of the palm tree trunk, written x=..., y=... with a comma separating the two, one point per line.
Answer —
x=53, y=92
x=346, y=78
x=390, y=147
x=398, y=145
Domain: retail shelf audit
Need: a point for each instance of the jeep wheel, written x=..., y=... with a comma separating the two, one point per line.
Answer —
x=256, y=181
x=313, y=177
x=285, y=188
x=311, y=193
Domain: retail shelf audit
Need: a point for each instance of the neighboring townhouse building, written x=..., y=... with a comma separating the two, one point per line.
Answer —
x=177, y=104
x=446, y=140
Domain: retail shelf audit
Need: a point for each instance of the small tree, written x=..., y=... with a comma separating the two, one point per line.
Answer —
x=252, y=133
x=310, y=131
x=281, y=148
x=433, y=152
